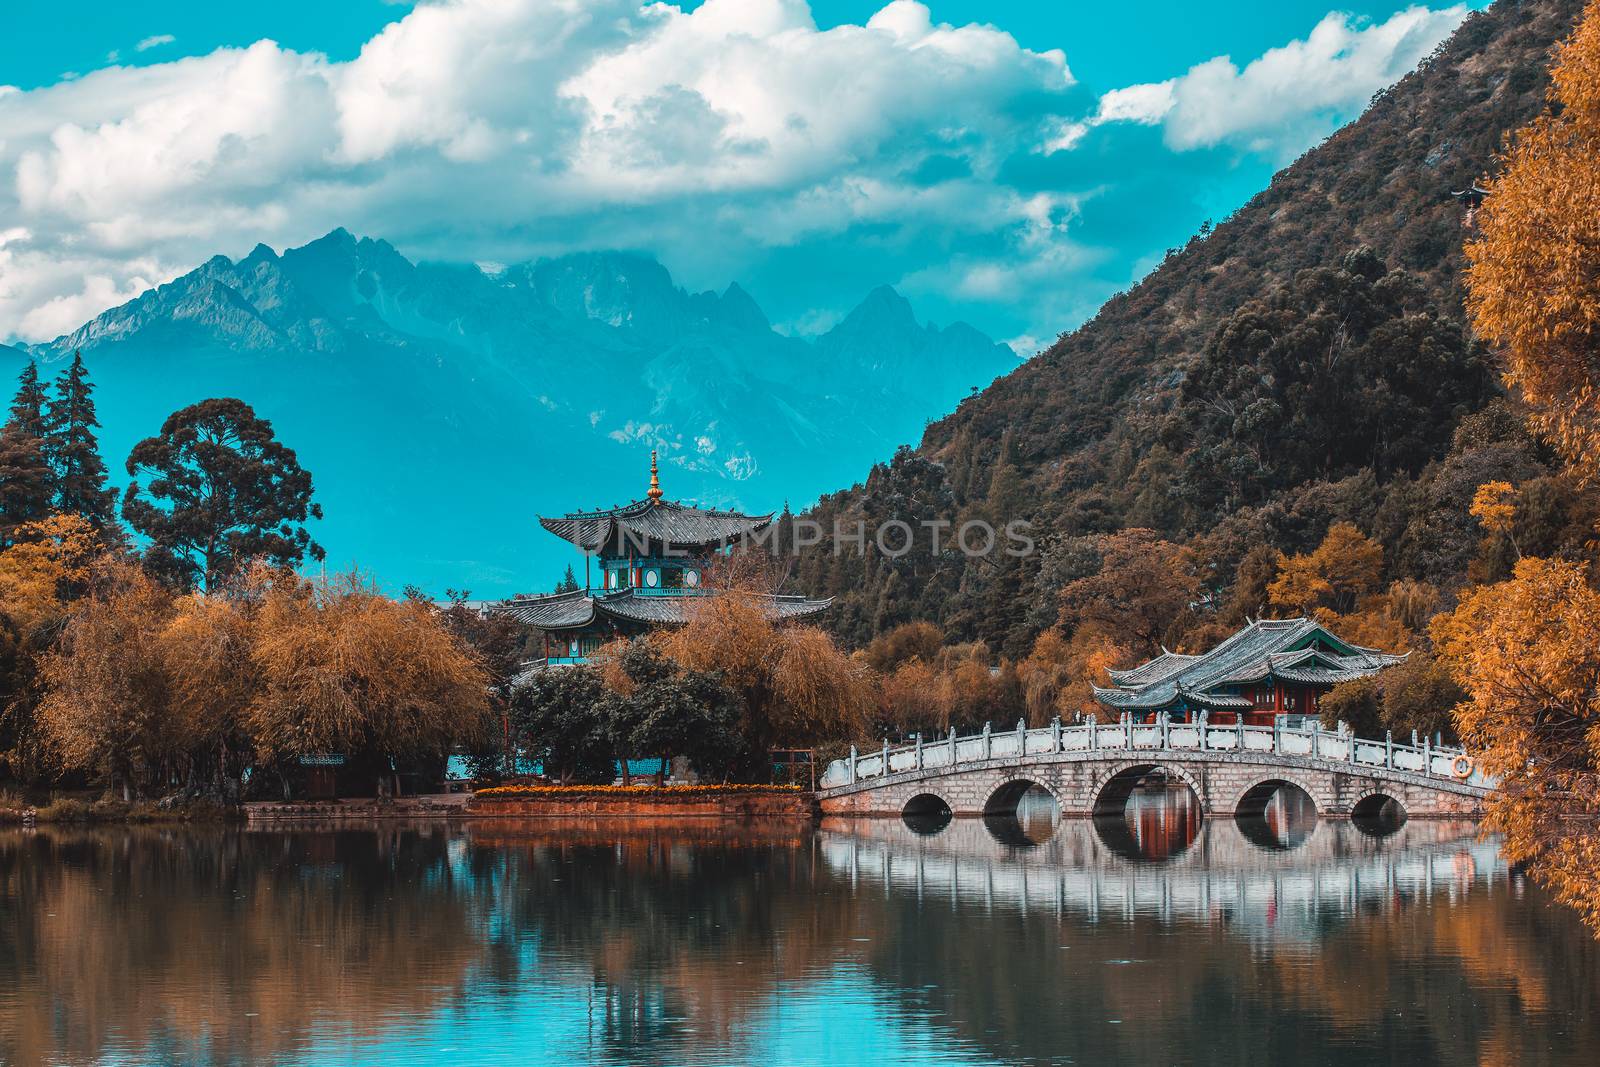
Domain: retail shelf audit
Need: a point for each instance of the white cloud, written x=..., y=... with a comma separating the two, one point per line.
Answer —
x=498, y=129
x=154, y=41
x=1291, y=97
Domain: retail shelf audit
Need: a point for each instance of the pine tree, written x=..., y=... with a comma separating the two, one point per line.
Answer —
x=73, y=451
x=569, y=581
x=26, y=485
x=27, y=410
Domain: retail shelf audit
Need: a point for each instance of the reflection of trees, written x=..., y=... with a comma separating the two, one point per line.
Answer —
x=680, y=940
x=681, y=931
x=1451, y=979
x=195, y=946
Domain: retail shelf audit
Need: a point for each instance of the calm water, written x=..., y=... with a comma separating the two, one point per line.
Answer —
x=1155, y=938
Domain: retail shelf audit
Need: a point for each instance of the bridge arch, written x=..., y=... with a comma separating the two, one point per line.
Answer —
x=1254, y=800
x=1005, y=797
x=1287, y=827
x=1378, y=812
x=926, y=813
x=1003, y=820
x=1109, y=794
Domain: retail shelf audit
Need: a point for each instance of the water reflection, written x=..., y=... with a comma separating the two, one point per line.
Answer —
x=1024, y=819
x=1284, y=818
x=1160, y=818
x=859, y=942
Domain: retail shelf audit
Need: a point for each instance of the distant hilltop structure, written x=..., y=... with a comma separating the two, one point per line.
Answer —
x=651, y=556
x=1272, y=670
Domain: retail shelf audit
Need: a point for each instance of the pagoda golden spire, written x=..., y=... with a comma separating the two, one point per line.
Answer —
x=655, y=493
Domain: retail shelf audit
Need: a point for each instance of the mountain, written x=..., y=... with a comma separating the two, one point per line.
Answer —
x=439, y=407
x=1185, y=405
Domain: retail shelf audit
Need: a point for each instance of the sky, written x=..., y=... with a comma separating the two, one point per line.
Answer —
x=1011, y=164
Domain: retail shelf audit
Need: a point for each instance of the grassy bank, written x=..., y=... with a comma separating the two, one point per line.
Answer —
x=83, y=810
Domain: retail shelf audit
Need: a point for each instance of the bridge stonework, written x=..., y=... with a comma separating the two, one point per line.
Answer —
x=1220, y=780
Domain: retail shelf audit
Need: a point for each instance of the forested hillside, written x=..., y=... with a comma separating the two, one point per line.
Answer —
x=1304, y=364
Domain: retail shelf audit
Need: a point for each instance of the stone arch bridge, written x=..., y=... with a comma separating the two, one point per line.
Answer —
x=1093, y=768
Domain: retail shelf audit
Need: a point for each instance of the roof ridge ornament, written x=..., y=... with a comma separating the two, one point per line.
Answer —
x=655, y=493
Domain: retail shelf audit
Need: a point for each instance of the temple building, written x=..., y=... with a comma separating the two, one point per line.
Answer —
x=645, y=561
x=1273, y=670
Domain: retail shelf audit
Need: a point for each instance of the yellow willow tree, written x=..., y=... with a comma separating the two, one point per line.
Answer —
x=1527, y=652
x=105, y=709
x=798, y=688
x=211, y=681
x=41, y=573
x=1534, y=274
x=343, y=669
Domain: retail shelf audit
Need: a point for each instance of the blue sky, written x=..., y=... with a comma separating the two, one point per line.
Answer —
x=1011, y=164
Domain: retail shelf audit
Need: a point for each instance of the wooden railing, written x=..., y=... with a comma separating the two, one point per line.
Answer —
x=1323, y=746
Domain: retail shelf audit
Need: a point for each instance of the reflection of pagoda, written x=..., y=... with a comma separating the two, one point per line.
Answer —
x=652, y=558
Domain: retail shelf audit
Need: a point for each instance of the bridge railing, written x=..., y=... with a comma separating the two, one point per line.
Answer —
x=1330, y=746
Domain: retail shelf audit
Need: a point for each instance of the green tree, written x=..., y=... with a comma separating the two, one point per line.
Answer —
x=669, y=711
x=569, y=581
x=219, y=490
x=72, y=450
x=559, y=716
x=26, y=486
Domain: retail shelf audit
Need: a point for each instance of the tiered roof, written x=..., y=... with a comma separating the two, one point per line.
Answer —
x=580, y=608
x=655, y=522
x=1302, y=651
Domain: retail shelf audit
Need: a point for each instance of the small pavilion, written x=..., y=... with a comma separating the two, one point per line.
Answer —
x=1272, y=671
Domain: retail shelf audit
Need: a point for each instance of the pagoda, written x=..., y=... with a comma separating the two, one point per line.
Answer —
x=1272, y=671
x=652, y=556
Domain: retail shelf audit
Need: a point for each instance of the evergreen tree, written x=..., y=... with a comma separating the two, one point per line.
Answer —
x=73, y=451
x=26, y=486
x=569, y=581
x=220, y=489
x=28, y=408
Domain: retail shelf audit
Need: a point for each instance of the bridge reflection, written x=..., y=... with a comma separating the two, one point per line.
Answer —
x=1278, y=876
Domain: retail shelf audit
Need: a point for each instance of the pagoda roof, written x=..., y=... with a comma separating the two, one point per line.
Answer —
x=581, y=608
x=648, y=521
x=1295, y=650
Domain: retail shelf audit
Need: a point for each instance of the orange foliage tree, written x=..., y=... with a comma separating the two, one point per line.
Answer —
x=343, y=668
x=796, y=685
x=106, y=706
x=1144, y=584
x=1534, y=272
x=1527, y=652
x=1344, y=567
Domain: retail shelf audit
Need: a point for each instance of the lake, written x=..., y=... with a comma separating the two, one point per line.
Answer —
x=1157, y=938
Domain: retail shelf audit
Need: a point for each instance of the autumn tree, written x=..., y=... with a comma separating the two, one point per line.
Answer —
x=106, y=709
x=218, y=489
x=1143, y=588
x=1534, y=272
x=1527, y=653
x=72, y=450
x=344, y=669
x=908, y=641
x=796, y=686
x=211, y=682
x=41, y=576
x=1344, y=567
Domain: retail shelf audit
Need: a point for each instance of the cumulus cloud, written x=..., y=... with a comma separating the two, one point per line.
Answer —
x=497, y=130
x=1283, y=102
